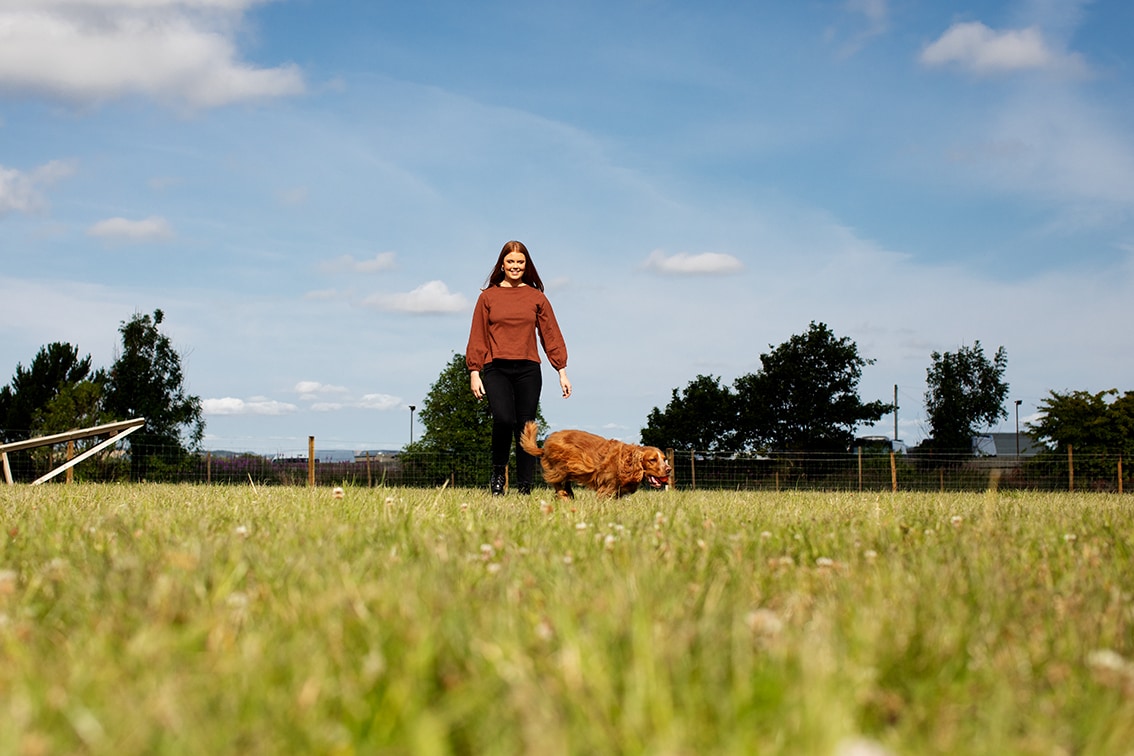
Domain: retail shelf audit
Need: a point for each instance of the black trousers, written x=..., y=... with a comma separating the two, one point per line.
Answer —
x=513, y=388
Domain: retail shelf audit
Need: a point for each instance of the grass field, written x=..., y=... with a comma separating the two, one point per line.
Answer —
x=186, y=619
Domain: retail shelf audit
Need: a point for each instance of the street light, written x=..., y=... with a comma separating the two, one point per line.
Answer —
x=1018, y=427
x=412, y=408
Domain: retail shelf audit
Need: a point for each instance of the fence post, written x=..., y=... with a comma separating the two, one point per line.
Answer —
x=1070, y=469
x=693, y=469
x=208, y=467
x=1120, y=474
x=369, y=478
x=311, y=461
x=669, y=457
x=859, y=450
x=893, y=473
x=70, y=456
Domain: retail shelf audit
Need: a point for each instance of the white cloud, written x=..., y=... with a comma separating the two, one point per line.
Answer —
x=175, y=50
x=256, y=406
x=21, y=192
x=380, y=402
x=683, y=263
x=430, y=298
x=326, y=406
x=147, y=230
x=347, y=263
x=310, y=390
x=973, y=46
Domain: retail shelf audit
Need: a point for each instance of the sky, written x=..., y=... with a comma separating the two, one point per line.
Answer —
x=314, y=192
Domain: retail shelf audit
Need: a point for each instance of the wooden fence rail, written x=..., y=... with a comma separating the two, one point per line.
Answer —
x=116, y=431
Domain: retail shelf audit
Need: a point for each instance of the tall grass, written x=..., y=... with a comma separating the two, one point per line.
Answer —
x=181, y=619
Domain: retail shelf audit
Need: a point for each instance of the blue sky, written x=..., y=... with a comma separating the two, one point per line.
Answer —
x=314, y=192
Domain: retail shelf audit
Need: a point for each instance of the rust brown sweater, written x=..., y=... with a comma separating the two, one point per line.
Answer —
x=504, y=326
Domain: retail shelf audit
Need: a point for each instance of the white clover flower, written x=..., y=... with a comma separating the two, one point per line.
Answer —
x=764, y=622
x=861, y=747
x=1107, y=659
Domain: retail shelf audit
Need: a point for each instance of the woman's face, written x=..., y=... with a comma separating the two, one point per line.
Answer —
x=514, y=265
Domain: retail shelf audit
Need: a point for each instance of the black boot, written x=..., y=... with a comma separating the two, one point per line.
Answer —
x=496, y=482
x=524, y=487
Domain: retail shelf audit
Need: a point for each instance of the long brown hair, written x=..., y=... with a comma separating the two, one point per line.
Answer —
x=531, y=276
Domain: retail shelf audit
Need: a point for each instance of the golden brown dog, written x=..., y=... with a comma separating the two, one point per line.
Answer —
x=611, y=468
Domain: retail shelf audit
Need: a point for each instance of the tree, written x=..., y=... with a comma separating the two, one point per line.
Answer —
x=702, y=417
x=147, y=381
x=965, y=392
x=55, y=368
x=805, y=396
x=458, y=428
x=1091, y=423
x=55, y=393
x=454, y=421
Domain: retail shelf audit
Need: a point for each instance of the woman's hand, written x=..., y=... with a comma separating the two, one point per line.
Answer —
x=564, y=383
x=476, y=384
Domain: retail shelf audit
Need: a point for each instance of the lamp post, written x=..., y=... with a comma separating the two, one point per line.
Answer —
x=1018, y=428
x=412, y=408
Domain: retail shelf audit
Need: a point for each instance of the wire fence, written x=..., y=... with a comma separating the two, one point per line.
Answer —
x=1049, y=471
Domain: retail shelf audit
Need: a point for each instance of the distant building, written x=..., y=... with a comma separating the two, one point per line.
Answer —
x=879, y=445
x=1004, y=445
x=386, y=460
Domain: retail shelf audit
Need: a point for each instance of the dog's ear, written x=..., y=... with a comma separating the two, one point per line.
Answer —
x=630, y=464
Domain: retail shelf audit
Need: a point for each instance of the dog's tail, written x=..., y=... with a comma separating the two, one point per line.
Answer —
x=528, y=439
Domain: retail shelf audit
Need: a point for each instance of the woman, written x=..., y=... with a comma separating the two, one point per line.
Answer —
x=503, y=359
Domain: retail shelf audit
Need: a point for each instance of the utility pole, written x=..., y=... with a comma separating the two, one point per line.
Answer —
x=895, y=412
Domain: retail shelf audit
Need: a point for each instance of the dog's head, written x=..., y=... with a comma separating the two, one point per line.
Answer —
x=655, y=467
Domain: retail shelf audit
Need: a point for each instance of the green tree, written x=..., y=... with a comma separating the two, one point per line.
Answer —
x=966, y=392
x=805, y=395
x=147, y=381
x=55, y=393
x=54, y=369
x=458, y=429
x=1101, y=423
x=702, y=417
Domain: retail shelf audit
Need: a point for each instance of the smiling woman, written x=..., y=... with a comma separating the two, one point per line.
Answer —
x=503, y=359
